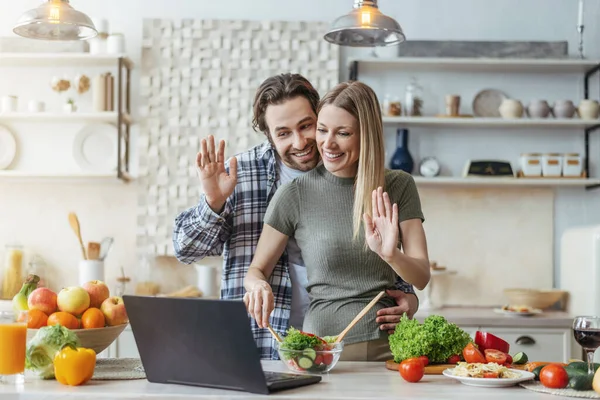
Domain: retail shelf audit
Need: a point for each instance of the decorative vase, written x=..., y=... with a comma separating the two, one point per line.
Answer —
x=564, y=109
x=402, y=159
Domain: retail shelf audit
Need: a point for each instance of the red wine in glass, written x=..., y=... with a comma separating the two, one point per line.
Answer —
x=586, y=331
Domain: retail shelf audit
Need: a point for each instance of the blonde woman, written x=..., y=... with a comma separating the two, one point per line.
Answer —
x=358, y=225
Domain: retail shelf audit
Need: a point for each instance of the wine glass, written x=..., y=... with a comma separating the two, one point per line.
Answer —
x=586, y=330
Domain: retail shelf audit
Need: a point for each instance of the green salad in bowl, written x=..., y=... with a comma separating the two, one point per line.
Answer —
x=308, y=353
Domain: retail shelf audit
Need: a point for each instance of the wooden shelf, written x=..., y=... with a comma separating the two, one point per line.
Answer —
x=492, y=122
x=503, y=182
x=53, y=176
x=468, y=64
x=62, y=59
x=109, y=116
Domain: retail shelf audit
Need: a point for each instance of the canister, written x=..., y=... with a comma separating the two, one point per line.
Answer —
x=531, y=164
x=572, y=165
x=552, y=164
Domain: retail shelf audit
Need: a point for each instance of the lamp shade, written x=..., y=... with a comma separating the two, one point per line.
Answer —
x=365, y=26
x=55, y=20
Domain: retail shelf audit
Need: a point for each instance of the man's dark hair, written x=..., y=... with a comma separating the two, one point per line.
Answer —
x=277, y=89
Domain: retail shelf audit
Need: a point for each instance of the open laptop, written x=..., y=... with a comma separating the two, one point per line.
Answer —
x=202, y=342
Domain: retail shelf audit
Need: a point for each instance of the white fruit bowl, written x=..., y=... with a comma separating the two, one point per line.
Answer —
x=97, y=339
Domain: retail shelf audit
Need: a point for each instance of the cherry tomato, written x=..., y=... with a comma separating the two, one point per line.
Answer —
x=455, y=359
x=412, y=369
x=424, y=360
x=327, y=358
x=472, y=355
x=554, y=376
x=490, y=375
x=509, y=359
x=495, y=356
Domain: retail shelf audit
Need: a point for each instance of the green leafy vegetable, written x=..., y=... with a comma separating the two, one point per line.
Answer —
x=43, y=347
x=298, y=340
x=435, y=338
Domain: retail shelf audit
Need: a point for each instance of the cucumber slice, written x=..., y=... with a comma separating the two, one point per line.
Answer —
x=310, y=353
x=520, y=358
x=305, y=362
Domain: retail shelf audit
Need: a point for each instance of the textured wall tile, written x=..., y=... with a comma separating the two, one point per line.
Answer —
x=199, y=78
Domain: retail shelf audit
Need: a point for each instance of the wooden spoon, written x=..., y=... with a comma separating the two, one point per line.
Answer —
x=74, y=222
x=358, y=317
x=275, y=335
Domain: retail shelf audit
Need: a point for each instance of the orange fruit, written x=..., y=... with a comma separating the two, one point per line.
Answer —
x=63, y=318
x=36, y=319
x=92, y=318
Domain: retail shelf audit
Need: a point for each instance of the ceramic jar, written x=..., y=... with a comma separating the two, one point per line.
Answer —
x=531, y=164
x=511, y=108
x=572, y=165
x=563, y=109
x=552, y=164
x=538, y=109
x=588, y=109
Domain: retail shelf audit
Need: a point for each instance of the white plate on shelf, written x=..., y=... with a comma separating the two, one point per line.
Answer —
x=490, y=382
x=509, y=313
x=95, y=147
x=8, y=147
x=487, y=103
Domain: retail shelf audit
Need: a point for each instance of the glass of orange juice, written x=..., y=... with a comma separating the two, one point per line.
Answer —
x=13, y=341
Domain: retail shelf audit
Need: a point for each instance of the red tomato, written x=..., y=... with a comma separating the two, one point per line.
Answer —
x=455, y=359
x=472, y=355
x=554, y=376
x=490, y=375
x=412, y=369
x=318, y=359
x=495, y=356
x=509, y=359
x=327, y=358
x=424, y=360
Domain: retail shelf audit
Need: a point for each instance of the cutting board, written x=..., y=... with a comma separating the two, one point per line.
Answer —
x=434, y=369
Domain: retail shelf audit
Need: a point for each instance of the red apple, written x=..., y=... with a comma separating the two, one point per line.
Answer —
x=73, y=299
x=42, y=299
x=98, y=292
x=114, y=311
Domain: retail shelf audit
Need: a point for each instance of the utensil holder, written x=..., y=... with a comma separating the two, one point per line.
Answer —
x=91, y=270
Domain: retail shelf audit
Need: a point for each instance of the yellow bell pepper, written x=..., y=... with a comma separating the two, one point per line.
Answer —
x=74, y=367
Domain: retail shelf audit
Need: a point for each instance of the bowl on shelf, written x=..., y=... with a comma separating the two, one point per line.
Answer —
x=534, y=298
x=311, y=361
x=97, y=339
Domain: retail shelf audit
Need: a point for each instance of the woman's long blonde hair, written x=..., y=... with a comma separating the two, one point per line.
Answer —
x=361, y=102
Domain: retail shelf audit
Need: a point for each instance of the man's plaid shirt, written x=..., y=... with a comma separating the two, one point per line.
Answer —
x=199, y=232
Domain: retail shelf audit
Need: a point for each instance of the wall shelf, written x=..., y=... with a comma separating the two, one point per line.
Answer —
x=84, y=175
x=504, y=182
x=106, y=117
x=469, y=64
x=492, y=122
x=63, y=59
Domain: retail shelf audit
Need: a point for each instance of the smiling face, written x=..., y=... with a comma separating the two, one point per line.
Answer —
x=338, y=139
x=292, y=127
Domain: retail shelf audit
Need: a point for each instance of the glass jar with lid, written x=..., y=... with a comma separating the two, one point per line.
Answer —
x=413, y=102
x=146, y=285
x=12, y=277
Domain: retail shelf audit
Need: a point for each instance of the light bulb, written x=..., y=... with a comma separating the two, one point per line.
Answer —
x=366, y=18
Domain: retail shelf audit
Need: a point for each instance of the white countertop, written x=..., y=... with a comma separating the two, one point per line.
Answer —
x=485, y=316
x=348, y=380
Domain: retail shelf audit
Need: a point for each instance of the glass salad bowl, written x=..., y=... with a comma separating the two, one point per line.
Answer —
x=318, y=359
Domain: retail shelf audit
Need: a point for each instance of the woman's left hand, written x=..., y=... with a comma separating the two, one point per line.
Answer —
x=381, y=229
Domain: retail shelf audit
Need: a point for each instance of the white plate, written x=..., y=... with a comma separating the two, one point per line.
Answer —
x=487, y=103
x=509, y=313
x=490, y=382
x=95, y=147
x=8, y=147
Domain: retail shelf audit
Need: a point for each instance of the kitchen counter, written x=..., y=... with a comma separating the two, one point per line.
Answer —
x=485, y=316
x=349, y=380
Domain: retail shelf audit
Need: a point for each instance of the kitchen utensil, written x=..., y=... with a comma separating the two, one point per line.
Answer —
x=434, y=369
x=97, y=339
x=487, y=103
x=534, y=298
x=95, y=147
x=8, y=147
x=326, y=357
x=359, y=317
x=275, y=335
x=93, y=251
x=105, y=246
x=74, y=222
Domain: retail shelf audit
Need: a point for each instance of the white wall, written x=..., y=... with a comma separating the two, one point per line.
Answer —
x=421, y=19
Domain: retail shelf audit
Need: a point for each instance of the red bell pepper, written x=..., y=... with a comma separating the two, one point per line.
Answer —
x=485, y=340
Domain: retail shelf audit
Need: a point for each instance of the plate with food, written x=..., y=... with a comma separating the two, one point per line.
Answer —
x=518, y=311
x=487, y=375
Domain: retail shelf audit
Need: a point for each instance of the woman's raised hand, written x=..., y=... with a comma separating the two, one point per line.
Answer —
x=260, y=303
x=381, y=228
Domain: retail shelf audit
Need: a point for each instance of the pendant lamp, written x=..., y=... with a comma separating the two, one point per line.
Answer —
x=55, y=20
x=365, y=26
